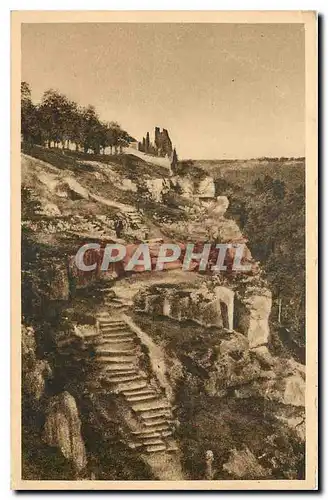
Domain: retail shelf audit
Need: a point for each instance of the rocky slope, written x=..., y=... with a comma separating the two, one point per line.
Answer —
x=166, y=375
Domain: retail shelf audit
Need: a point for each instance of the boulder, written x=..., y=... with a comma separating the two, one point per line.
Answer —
x=242, y=464
x=252, y=316
x=294, y=393
x=34, y=380
x=62, y=429
x=218, y=207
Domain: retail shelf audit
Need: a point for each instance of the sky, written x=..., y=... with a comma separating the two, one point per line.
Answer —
x=221, y=90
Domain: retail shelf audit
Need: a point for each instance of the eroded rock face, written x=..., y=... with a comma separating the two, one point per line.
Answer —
x=228, y=231
x=253, y=316
x=206, y=188
x=185, y=185
x=156, y=188
x=63, y=429
x=294, y=391
x=198, y=305
x=219, y=206
x=225, y=297
x=35, y=372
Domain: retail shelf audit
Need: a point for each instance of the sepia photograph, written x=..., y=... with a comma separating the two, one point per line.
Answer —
x=164, y=322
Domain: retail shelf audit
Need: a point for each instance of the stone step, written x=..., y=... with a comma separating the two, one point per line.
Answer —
x=114, y=373
x=150, y=406
x=126, y=336
x=116, y=344
x=108, y=349
x=159, y=419
x=107, y=358
x=151, y=415
x=137, y=392
x=146, y=433
x=152, y=441
x=130, y=368
x=121, y=332
x=159, y=427
x=156, y=448
x=110, y=327
x=117, y=337
x=119, y=340
x=130, y=382
x=141, y=397
x=109, y=320
x=106, y=317
x=136, y=381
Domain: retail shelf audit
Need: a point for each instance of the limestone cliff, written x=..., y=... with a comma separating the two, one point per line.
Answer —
x=149, y=375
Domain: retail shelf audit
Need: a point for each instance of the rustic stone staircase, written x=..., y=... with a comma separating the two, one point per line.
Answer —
x=116, y=353
x=135, y=221
x=122, y=369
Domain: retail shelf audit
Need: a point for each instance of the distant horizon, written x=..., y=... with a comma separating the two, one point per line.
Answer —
x=258, y=158
x=221, y=90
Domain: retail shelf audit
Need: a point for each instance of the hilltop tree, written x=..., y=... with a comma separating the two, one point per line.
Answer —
x=29, y=116
x=60, y=121
x=54, y=112
x=91, y=130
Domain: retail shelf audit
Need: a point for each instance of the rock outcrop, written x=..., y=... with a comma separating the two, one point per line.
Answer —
x=243, y=464
x=182, y=304
x=35, y=372
x=62, y=429
x=206, y=188
x=253, y=311
x=157, y=367
x=157, y=188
